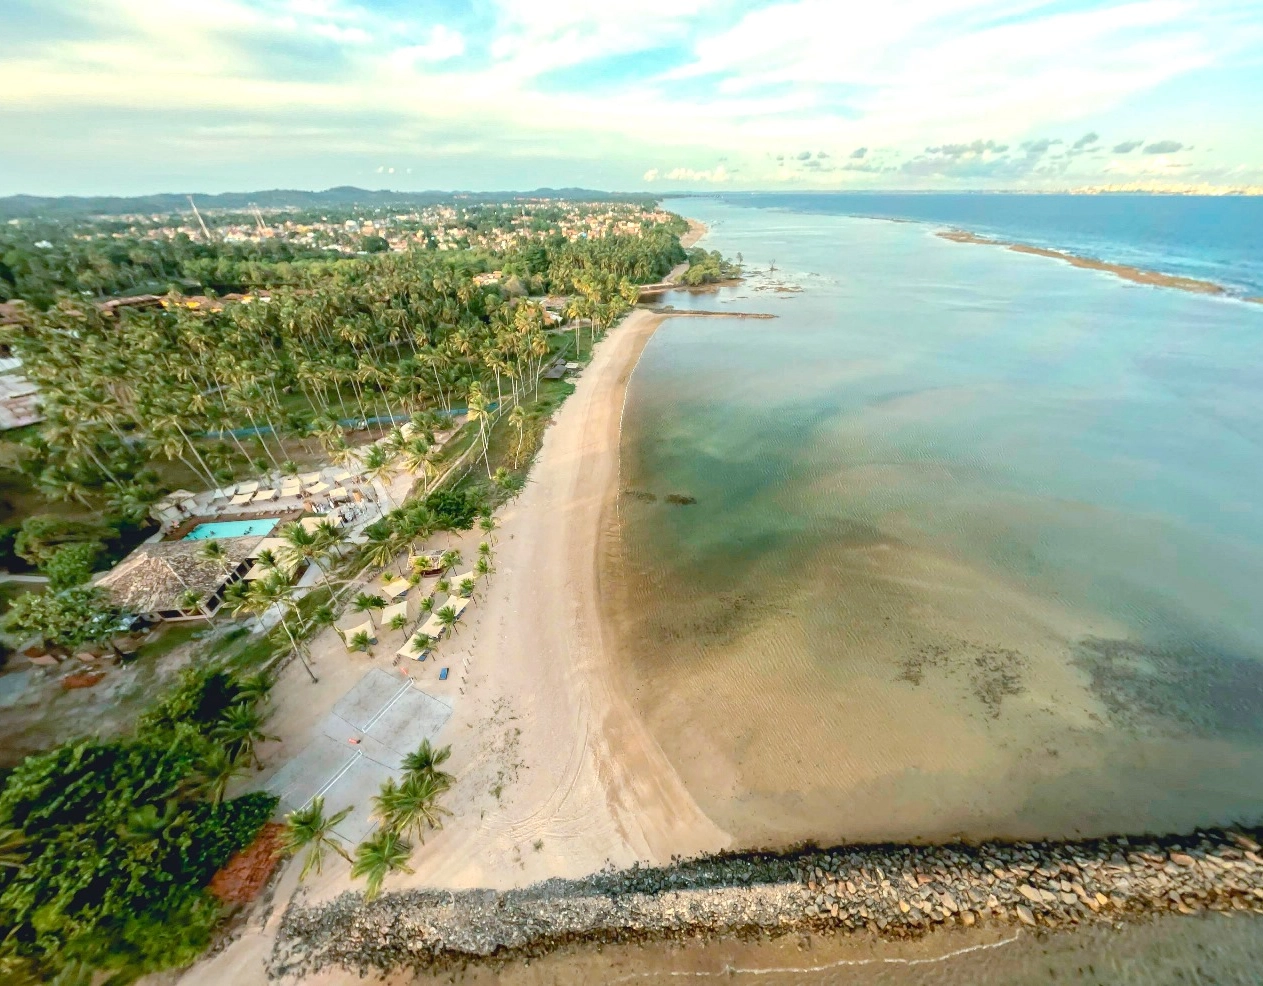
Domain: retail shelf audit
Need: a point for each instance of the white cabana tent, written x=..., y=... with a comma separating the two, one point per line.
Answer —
x=409, y=649
x=274, y=545
x=396, y=588
x=241, y=499
x=309, y=477
x=317, y=488
x=339, y=493
x=249, y=487
x=456, y=580
x=395, y=609
x=341, y=475
x=312, y=524
x=263, y=496
x=365, y=627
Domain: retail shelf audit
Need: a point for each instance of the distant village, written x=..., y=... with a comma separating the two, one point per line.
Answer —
x=494, y=227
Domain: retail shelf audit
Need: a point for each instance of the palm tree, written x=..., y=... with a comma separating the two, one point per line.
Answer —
x=213, y=551
x=302, y=545
x=366, y=601
x=398, y=621
x=215, y=770
x=254, y=688
x=239, y=728
x=426, y=760
x=361, y=640
x=478, y=412
x=421, y=641
x=484, y=566
x=449, y=559
x=448, y=618
x=379, y=466
x=517, y=418
x=383, y=853
x=191, y=601
x=466, y=587
x=411, y=807
x=262, y=595
x=309, y=829
x=12, y=848
x=487, y=524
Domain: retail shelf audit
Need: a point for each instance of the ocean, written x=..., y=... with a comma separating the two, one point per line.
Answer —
x=963, y=543
x=1212, y=239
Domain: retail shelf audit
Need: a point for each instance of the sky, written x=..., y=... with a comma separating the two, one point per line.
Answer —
x=136, y=96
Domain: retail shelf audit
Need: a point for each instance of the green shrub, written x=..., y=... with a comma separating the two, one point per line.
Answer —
x=454, y=509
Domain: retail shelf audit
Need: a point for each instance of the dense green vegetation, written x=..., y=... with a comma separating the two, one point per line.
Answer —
x=707, y=268
x=108, y=846
x=357, y=339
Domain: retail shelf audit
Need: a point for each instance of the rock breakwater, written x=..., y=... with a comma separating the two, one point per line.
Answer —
x=891, y=891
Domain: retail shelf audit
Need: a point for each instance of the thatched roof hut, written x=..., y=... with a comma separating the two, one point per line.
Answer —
x=153, y=579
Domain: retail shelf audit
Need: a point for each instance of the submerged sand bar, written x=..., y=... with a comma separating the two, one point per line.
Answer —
x=1136, y=275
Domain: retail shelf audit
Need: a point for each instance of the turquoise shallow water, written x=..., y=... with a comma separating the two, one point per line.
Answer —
x=976, y=548
x=232, y=529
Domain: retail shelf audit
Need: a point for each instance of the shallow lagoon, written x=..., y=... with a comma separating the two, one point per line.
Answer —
x=976, y=548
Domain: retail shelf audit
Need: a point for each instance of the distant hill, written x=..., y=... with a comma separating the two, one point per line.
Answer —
x=28, y=206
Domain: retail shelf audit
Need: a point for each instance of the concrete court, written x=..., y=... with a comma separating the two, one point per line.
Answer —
x=361, y=743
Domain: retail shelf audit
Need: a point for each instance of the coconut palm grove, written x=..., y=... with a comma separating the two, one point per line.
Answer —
x=168, y=359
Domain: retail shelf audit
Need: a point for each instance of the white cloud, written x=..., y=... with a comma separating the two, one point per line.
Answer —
x=900, y=75
x=443, y=44
x=717, y=175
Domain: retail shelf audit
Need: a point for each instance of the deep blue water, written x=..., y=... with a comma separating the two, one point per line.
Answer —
x=1216, y=239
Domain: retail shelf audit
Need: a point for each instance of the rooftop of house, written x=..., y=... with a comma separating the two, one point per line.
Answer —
x=154, y=577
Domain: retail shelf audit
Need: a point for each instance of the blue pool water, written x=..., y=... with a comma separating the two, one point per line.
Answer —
x=233, y=529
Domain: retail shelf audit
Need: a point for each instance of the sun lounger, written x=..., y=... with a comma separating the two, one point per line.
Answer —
x=443, y=674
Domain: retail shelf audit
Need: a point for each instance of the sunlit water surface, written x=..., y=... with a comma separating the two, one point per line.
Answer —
x=977, y=544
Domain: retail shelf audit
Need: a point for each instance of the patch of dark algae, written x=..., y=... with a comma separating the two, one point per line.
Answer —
x=893, y=891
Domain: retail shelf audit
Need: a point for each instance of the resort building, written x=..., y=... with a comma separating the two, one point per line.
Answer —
x=154, y=580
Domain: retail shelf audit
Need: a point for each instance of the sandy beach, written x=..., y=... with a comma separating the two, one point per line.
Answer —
x=556, y=774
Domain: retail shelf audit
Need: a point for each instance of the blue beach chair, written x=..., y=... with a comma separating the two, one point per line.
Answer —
x=443, y=674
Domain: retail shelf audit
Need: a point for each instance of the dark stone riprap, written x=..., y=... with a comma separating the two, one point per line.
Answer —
x=887, y=890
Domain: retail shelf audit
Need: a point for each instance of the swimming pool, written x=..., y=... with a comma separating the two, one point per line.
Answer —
x=260, y=527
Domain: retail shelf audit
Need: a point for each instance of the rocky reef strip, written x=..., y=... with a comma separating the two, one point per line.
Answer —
x=890, y=891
